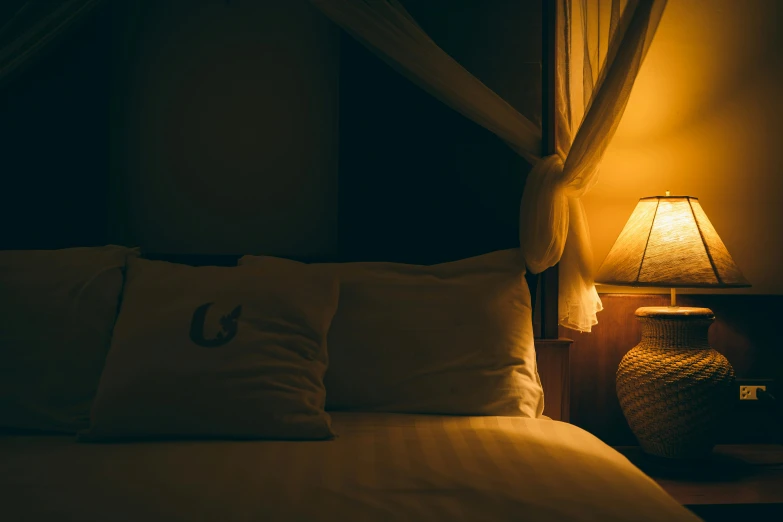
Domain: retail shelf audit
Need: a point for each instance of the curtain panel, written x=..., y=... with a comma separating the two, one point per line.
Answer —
x=600, y=47
x=27, y=27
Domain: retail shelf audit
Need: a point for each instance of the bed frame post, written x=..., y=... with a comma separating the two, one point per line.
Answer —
x=548, y=280
x=552, y=352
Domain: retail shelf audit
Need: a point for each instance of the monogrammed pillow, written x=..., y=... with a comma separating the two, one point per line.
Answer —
x=218, y=352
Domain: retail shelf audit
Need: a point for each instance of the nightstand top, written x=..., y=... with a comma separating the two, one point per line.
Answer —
x=737, y=480
x=734, y=474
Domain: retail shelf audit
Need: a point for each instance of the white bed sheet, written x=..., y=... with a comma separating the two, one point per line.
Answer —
x=381, y=467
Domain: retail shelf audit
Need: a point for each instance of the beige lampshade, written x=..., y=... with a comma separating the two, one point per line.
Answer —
x=668, y=241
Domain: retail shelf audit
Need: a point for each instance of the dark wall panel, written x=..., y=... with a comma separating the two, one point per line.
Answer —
x=231, y=121
x=54, y=144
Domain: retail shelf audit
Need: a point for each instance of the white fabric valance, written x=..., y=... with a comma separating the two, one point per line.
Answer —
x=387, y=29
x=601, y=44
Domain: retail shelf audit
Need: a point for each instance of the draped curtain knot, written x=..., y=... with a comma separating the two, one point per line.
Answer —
x=595, y=72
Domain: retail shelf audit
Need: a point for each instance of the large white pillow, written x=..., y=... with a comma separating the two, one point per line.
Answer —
x=454, y=338
x=235, y=352
x=57, y=311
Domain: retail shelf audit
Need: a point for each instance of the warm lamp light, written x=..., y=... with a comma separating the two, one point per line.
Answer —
x=669, y=242
x=673, y=388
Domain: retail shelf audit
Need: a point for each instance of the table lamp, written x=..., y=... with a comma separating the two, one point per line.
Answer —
x=673, y=388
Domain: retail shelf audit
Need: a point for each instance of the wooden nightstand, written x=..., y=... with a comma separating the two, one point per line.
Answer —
x=742, y=482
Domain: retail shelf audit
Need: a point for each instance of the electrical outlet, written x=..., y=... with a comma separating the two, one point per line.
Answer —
x=753, y=416
x=748, y=392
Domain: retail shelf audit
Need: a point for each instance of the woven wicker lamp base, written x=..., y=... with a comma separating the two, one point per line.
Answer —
x=673, y=388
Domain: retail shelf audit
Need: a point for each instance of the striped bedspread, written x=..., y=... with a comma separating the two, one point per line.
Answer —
x=381, y=467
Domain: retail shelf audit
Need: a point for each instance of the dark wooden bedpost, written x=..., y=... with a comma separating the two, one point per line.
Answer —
x=552, y=352
x=548, y=280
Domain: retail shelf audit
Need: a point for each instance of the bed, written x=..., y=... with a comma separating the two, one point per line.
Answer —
x=376, y=466
x=381, y=467
x=494, y=457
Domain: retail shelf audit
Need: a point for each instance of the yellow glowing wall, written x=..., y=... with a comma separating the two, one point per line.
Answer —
x=704, y=120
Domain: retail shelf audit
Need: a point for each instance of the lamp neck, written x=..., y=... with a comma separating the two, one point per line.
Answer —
x=675, y=332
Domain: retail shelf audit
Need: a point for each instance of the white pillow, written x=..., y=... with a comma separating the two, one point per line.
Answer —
x=454, y=338
x=57, y=311
x=229, y=352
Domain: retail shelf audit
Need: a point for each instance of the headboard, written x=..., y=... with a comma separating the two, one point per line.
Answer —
x=417, y=182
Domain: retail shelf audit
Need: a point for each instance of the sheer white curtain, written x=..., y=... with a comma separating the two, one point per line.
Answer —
x=28, y=26
x=601, y=44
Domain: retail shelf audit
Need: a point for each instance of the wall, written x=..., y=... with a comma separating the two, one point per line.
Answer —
x=705, y=119
x=232, y=130
x=53, y=143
